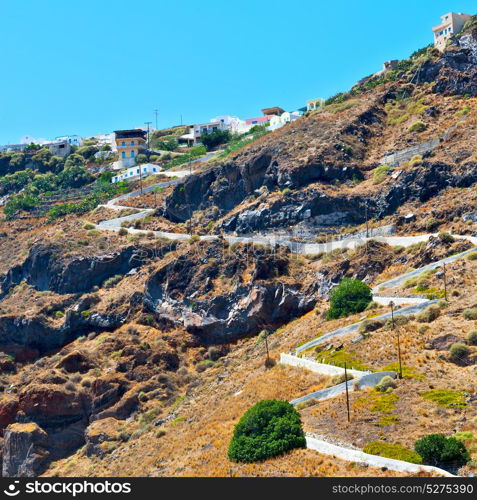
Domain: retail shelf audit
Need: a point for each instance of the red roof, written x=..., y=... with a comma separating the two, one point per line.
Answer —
x=259, y=119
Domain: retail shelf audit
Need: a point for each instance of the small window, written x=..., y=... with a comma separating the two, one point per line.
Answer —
x=154, y=169
x=144, y=169
x=132, y=143
x=132, y=153
x=123, y=143
x=123, y=154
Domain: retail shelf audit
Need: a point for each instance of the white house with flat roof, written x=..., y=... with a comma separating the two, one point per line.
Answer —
x=134, y=173
x=451, y=24
x=279, y=121
x=73, y=140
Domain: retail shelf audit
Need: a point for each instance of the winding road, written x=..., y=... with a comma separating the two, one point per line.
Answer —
x=413, y=305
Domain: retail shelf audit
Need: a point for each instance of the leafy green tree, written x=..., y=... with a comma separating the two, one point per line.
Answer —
x=74, y=177
x=87, y=151
x=269, y=428
x=12, y=183
x=42, y=158
x=215, y=138
x=74, y=160
x=436, y=449
x=349, y=297
x=141, y=158
x=18, y=203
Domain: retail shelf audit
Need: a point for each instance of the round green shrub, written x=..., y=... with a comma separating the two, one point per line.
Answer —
x=429, y=314
x=386, y=383
x=470, y=313
x=436, y=449
x=349, y=297
x=472, y=338
x=458, y=351
x=269, y=428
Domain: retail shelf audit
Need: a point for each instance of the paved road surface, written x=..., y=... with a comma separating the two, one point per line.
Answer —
x=373, y=460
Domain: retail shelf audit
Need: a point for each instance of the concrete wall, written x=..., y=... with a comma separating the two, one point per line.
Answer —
x=324, y=369
x=395, y=159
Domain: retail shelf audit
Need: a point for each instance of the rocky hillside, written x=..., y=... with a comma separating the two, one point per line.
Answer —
x=311, y=171
x=123, y=352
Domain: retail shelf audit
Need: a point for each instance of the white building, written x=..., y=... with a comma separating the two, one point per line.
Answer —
x=133, y=173
x=73, y=140
x=278, y=121
x=234, y=124
x=452, y=23
x=106, y=139
x=196, y=131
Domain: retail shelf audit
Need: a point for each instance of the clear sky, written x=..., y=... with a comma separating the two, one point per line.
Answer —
x=98, y=65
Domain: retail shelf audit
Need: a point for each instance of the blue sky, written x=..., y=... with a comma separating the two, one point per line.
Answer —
x=95, y=66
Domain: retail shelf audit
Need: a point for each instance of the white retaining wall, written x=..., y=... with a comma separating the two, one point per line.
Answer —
x=324, y=369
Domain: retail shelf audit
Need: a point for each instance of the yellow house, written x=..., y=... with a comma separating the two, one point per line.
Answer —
x=129, y=144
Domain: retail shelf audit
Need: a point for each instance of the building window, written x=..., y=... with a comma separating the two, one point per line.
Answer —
x=132, y=143
x=132, y=153
x=154, y=169
x=130, y=173
x=137, y=171
x=123, y=143
x=123, y=154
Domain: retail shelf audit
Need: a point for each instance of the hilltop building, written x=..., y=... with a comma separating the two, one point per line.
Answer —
x=313, y=104
x=59, y=148
x=196, y=131
x=73, y=140
x=451, y=24
x=276, y=110
x=283, y=119
x=129, y=143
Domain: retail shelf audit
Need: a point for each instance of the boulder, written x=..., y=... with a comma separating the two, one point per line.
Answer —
x=24, y=450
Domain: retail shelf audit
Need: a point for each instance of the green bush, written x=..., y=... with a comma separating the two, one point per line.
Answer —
x=386, y=383
x=436, y=449
x=417, y=127
x=472, y=337
x=472, y=256
x=470, y=313
x=380, y=173
x=215, y=138
x=429, y=314
x=458, y=352
x=446, y=237
x=390, y=450
x=269, y=428
x=349, y=297
x=114, y=280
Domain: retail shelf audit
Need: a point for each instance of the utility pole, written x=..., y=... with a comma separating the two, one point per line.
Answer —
x=156, y=112
x=398, y=339
x=366, y=216
x=347, y=393
x=266, y=346
x=148, y=125
x=445, y=280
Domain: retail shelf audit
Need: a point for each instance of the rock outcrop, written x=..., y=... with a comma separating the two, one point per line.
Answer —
x=456, y=71
x=24, y=450
x=46, y=269
x=184, y=292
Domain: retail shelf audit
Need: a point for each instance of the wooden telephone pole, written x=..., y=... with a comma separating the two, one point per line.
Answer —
x=347, y=392
x=393, y=325
x=445, y=280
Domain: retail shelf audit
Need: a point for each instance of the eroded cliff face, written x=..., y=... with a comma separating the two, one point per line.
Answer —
x=305, y=152
x=456, y=71
x=222, y=293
